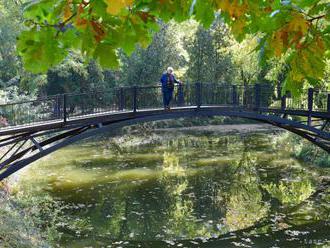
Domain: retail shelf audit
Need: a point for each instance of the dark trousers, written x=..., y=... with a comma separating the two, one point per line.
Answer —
x=167, y=96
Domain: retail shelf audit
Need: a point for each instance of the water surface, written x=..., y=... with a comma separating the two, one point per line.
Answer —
x=180, y=190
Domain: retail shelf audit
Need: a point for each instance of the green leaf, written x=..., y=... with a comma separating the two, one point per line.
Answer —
x=182, y=10
x=87, y=42
x=204, y=12
x=40, y=50
x=99, y=8
x=291, y=85
x=106, y=55
x=71, y=38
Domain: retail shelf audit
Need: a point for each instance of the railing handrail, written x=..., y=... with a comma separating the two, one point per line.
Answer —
x=50, y=97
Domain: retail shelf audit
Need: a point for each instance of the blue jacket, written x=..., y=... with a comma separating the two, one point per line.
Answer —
x=164, y=79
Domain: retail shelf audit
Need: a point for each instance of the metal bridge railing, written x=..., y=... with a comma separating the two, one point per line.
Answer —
x=321, y=101
x=90, y=103
x=68, y=106
x=28, y=112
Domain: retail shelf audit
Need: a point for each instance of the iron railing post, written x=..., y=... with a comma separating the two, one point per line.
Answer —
x=135, y=89
x=310, y=99
x=328, y=103
x=94, y=107
x=283, y=101
x=234, y=95
x=180, y=95
x=310, y=104
x=58, y=107
x=257, y=90
x=64, y=108
x=279, y=92
x=198, y=88
x=245, y=96
x=13, y=114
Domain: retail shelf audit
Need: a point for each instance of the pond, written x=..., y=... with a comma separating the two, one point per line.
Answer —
x=172, y=189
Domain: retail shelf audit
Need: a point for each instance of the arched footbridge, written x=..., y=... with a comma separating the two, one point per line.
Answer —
x=33, y=129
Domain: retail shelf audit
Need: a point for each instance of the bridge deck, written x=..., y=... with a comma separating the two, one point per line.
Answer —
x=114, y=115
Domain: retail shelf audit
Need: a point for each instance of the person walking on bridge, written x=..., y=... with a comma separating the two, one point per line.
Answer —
x=168, y=80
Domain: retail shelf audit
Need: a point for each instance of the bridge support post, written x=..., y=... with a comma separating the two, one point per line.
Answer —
x=257, y=92
x=198, y=88
x=36, y=143
x=310, y=105
x=235, y=102
x=135, y=89
x=64, y=108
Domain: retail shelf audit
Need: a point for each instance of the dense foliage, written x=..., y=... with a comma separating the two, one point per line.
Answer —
x=210, y=60
x=297, y=29
x=197, y=53
x=10, y=26
x=145, y=66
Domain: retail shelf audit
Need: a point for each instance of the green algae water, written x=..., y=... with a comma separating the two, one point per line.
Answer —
x=178, y=190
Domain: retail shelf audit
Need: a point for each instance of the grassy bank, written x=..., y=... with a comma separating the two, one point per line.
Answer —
x=17, y=227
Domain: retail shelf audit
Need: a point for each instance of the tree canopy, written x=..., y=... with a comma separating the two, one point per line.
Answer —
x=297, y=30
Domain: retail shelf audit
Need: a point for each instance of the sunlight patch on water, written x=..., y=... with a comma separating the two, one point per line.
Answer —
x=216, y=161
x=146, y=157
x=285, y=162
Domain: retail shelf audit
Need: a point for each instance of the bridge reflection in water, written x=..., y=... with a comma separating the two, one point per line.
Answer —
x=39, y=127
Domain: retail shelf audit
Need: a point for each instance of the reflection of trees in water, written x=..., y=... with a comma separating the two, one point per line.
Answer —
x=244, y=199
x=290, y=192
x=297, y=206
x=181, y=220
x=108, y=215
x=183, y=143
x=314, y=209
x=288, y=182
x=133, y=215
x=303, y=197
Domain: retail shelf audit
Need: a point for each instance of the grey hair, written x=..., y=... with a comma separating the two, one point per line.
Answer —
x=170, y=69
